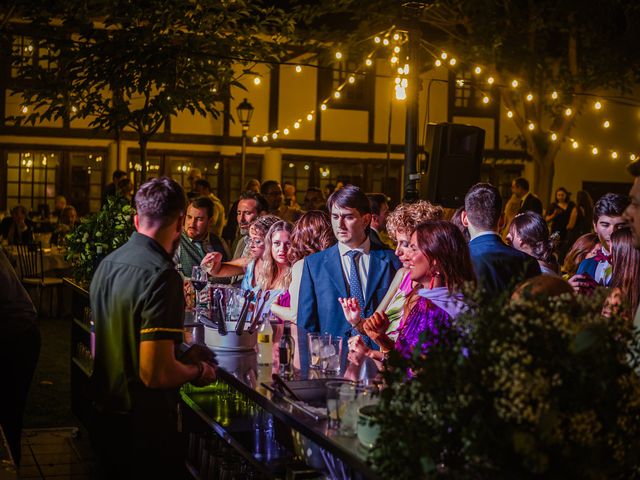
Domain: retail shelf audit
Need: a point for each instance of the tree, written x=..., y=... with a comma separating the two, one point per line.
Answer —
x=135, y=63
x=575, y=48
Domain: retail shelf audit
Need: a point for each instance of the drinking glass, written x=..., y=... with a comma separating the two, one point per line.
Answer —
x=316, y=341
x=341, y=406
x=330, y=355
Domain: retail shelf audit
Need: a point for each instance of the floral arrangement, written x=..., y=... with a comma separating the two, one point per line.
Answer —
x=97, y=235
x=538, y=387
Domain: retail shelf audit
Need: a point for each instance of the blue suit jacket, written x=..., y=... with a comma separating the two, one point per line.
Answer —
x=323, y=282
x=500, y=267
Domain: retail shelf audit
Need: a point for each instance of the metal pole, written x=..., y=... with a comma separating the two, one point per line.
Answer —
x=244, y=156
x=411, y=175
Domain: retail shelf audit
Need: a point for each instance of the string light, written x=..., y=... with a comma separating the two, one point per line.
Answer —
x=298, y=69
x=338, y=55
x=255, y=139
x=257, y=81
x=632, y=157
x=490, y=80
x=323, y=107
x=531, y=126
x=485, y=99
x=594, y=151
x=606, y=124
x=396, y=49
x=336, y=94
x=568, y=112
x=614, y=154
x=514, y=83
x=597, y=105
x=452, y=62
x=368, y=62
x=394, y=59
x=274, y=135
x=554, y=95
x=529, y=97
x=385, y=42
x=396, y=36
x=438, y=62
x=443, y=55
x=265, y=138
x=25, y=109
x=554, y=137
x=296, y=125
x=509, y=114
x=575, y=144
x=401, y=93
x=309, y=117
x=286, y=131
x=477, y=70
x=352, y=79
x=377, y=39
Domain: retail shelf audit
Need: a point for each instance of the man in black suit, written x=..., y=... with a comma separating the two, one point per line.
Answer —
x=528, y=201
x=379, y=211
x=498, y=267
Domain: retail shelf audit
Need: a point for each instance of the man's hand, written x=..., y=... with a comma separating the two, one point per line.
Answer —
x=376, y=325
x=211, y=263
x=582, y=283
x=357, y=350
x=351, y=309
x=207, y=376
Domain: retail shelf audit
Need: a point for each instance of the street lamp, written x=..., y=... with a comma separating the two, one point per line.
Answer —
x=245, y=112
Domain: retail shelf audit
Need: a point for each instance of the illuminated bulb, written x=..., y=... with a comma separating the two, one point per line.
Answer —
x=597, y=105
x=509, y=114
x=485, y=99
x=568, y=112
x=323, y=107
x=338, y=55
x=336, y=94
x=531, y=126
x=385, y=41
x=490, y=80
x=575, y=144
x=594, y=151
x=255, y=139
x=443, y=55
x=406, y=69
x=396, y=49
x=614, y=155
x=25, y=109
x=286, y=131
x=460, y=82
x=529, y=97
x=514, y=83
x=438, y=63
x=368, y=62
x=396, y=36
x=397, y=81
x=309, y=117
x=296, y=125
x=257, y=81
x=291, y=165
x=168, y=97
x=400, y=71
x=404, y=83
x=352, y=79
x=606, y=124
x=298, y=69
x=306, y=167
x=554, y=95
x=377, y=39
x=477, y=70
x=74, y=109
x=554, y=137
x=394, y=59
x=632, y=157
x=265, y=138
x=401, y=93
x=452, y=62
x=274, y=135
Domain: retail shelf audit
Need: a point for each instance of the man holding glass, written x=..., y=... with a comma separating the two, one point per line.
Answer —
x=138, y=310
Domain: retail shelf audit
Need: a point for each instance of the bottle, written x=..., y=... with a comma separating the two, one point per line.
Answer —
x=265, y=345
x=98, y=258
x=285, y=351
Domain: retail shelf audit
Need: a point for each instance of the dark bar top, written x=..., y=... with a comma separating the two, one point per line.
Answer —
x=241, y=372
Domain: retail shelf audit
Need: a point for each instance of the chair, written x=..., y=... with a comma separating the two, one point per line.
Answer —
x=32, y=273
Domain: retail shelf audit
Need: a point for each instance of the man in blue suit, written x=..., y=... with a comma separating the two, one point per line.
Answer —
x=498, y=267
x=351, y=268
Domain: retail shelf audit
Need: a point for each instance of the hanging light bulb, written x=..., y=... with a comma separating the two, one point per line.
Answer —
x=257, y=81
x=485, y=99
x=265, y=138
x=597, y=105
x=443, y=55
x=401, y=93
x=614, y=154
x=338, y=55
x=554, y=95
x=296, y=125
x=529, y=97
x=255, y=139
x=452, y=62
x=286, y=131
x=336, y=94
x=509, y=114
x=490, y=80
x=377, y=39
x=531, y=126
x=298, y=69
x=396, y=49
x=404, y=83
x=394, y=59
x=309, y=117
x=606, y=124
x=385, y=41
x=368, y=62
x=438, y=62
x=477, y=70
x=514, y=83
x=352, y=79
x=575, y=144
x=274, y=135
x=594, y=151
x=396, y=36
x=323, y=107
x=406, y=69
x=568, y=112
x=554, y=137
x=632, y=157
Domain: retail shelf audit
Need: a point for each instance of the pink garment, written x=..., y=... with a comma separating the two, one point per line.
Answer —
x=406, y=284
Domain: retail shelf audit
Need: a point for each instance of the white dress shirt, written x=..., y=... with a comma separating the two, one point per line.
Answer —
x=362, y=261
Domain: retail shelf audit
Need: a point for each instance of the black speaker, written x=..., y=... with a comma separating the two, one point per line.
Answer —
x=454, y=161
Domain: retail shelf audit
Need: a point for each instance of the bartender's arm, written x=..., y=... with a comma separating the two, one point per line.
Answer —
x=159, y=367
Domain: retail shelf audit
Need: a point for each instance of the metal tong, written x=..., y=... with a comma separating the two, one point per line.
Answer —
x=242, y=319
x=258, y=313
x=219, y=299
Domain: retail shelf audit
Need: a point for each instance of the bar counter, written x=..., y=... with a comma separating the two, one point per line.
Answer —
x=235, y=405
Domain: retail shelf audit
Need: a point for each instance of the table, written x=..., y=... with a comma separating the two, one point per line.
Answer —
x=297, y=434
x=53, y=261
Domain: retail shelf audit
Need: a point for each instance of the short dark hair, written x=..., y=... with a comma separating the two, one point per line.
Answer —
x=201, y=182
x=203, y=202
x=261, y=202
x=350, y=196
x=20, y=208
x=376, y=200
x=483, y=205
x=161, y=200
x=634, y=168
x=611, y=205
x=315, y=189
x=522, y=183
x=117, y=175
x=266, y=186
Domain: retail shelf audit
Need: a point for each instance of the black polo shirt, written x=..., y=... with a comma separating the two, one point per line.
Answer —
x=136, y=295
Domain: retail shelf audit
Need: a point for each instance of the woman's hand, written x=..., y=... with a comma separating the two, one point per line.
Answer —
x=351, y=309
x=357, y=350
x=211, y=263
x=376, y=326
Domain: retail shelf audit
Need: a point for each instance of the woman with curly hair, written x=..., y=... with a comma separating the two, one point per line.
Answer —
x=274, y=271
x=401, y=296
x=311, y=233
x=529, y=233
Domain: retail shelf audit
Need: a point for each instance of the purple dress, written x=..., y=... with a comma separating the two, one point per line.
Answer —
x=425, y=315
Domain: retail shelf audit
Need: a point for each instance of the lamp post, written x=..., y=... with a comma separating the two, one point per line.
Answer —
x=245, y=112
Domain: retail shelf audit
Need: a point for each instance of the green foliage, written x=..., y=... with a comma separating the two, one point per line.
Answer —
x=107, y=230
x=531, y=388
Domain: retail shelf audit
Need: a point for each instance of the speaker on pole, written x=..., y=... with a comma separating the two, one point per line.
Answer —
x=454, y=161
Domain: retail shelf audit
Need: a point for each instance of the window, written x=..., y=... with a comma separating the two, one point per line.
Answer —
x=466, y=94
x=29, y=52
x=32, y=179
x=356, y=96
x=86, y=182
